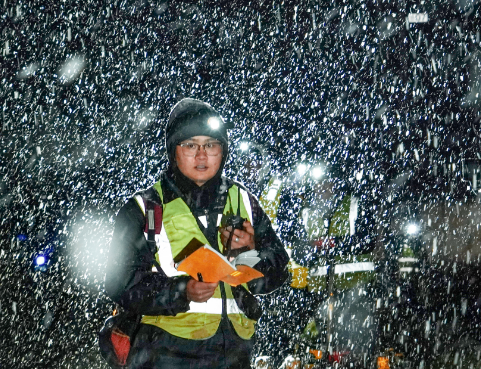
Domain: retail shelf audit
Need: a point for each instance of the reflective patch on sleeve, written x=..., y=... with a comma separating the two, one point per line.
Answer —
x=407, y=260
x=140, y=202
x=365, y=266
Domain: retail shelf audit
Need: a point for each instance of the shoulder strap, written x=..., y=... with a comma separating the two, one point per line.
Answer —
x=151, y=222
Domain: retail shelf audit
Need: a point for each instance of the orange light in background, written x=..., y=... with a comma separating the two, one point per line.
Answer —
x=317, y=354
x=382, y=362
x=295, y=364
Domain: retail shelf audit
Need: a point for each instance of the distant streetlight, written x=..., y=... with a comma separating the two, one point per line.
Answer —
x=317, y=172
x=412, y=229
x=302, y=169
x=244, y=146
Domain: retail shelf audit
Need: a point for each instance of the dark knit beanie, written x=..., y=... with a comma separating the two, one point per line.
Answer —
x=191, y=117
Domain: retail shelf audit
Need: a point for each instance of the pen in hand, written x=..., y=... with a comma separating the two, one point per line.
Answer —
x=199, y=277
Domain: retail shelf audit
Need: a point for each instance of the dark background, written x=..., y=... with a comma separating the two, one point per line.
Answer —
x=85, y=90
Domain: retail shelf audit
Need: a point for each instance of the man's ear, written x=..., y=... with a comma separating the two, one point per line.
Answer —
x=173, y=159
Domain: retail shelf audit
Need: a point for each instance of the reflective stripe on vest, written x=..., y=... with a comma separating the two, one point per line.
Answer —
x=179, y=226
x=213, y=304
x=363, y=266
x=349, y=271
x=407, y=264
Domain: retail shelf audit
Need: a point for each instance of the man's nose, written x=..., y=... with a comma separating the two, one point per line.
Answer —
x=201, y=151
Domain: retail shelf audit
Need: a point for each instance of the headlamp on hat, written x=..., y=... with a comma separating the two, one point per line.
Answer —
x=214, y=122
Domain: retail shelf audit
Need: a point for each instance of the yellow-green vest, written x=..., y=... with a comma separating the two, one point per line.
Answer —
x=349, y=270
x=340, y=224
x=270, y=202
x=179, y=226
x=270, y=198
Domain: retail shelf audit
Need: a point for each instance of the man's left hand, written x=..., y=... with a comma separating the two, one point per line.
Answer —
x=241, y=237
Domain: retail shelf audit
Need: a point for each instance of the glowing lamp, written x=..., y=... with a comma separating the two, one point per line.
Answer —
x=302, y=169
x=317, y=172
x=412, y=229
x=383, y=362
x=40, y=260
x=244, y=146
x=214, y=122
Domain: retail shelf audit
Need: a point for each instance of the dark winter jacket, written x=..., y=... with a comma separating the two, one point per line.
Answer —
x=130, y=280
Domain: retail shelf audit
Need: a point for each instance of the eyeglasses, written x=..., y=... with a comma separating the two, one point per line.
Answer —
x=213, y=148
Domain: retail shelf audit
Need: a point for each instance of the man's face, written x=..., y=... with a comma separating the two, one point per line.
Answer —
x=200, y=167
x=324, y=189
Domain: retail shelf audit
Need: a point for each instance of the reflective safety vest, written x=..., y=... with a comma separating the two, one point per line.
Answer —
x=407, y=262
x=342, y=222
x=179, y=226
x=270, y=198
x=291, y=362
x=349, y=270
x=270, y=202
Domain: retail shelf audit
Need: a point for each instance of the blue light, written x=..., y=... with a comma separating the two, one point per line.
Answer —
x=40, y=260
x=22, y=237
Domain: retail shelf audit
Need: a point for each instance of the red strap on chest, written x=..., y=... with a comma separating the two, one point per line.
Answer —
x=121, y=344
x=157, y=216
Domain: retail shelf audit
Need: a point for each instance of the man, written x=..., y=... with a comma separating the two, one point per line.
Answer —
x=317, y=218
x=187, y=323
x=339, y=227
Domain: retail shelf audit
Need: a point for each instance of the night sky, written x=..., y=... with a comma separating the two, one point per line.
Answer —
x=390, y=105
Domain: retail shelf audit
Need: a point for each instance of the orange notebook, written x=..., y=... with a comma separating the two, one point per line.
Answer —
x=214, y=267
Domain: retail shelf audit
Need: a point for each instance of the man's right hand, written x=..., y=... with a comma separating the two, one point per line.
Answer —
x=200, y=291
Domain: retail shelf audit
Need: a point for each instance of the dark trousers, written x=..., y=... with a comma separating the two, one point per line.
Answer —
x=155, y=348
